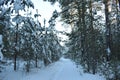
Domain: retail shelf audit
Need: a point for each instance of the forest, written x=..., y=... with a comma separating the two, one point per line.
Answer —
x=93, y=43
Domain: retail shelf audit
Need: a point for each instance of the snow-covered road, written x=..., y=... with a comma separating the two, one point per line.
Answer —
x=68, y=71
x=64, y=69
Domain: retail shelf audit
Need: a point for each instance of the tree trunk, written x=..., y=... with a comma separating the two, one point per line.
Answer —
x=119, y=3
x=108, y=30
x=88, y=66
x=28, y=66
x=15, y=62
x=94, y=67
x=36, y=61
x=16, y=51
x=83, y=29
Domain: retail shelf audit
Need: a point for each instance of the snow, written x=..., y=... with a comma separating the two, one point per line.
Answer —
x=0, y=39
x=108, y=51
x=1, y=2
x=1, y=55
x=64, y=69
x=18, y=6
x=18, y=19
x=29, y=2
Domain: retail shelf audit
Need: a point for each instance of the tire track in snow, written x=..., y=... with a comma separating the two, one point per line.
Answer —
x=68, y=71
x=57, y=73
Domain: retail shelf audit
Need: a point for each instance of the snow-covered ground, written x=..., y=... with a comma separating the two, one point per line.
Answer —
x=64, y=69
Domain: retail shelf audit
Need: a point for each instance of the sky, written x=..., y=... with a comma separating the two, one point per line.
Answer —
x=45, y=9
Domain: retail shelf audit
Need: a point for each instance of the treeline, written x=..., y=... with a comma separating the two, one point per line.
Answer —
x=94, y=41
x=24, y=38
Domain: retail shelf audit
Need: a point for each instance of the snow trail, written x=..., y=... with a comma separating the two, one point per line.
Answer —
x=68, y=72
x=64, y=69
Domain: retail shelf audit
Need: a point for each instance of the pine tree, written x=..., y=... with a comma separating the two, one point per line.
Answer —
x=5, y=15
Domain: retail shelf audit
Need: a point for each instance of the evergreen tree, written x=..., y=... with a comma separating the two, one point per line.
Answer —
x=94, y=39
x=52, y=48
